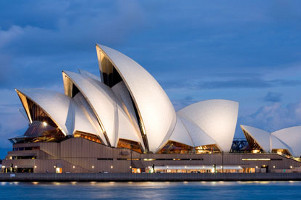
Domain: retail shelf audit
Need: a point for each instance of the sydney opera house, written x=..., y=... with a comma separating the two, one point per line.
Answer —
x=124, y=122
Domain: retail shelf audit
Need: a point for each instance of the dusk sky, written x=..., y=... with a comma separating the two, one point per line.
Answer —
x=246, y=51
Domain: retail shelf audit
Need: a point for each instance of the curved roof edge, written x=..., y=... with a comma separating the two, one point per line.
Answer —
x=261, y=137
x=217, y=118
x=156, y=113
x=179, y=134
x=92, y=93
x=198, y=136
x=58, y=116
x=291, y=137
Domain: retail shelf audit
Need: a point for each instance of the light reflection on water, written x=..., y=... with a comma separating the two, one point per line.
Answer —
x=152, y=190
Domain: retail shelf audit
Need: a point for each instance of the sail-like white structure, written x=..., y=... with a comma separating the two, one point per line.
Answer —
x=62, y=111
x=258, y=137
x=217, y=118
x=126, y=107
x=286, y=140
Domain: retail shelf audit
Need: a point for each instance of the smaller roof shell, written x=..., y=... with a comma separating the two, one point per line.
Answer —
x=100, y=98
x=290, y=137
x=63, y=111
x=217, y=118
x=106, y=107
x=180, y=134
x=198, y=136
x=260, y=136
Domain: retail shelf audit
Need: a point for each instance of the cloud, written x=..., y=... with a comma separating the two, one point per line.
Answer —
x=75, y=31
x=231, y=83
x=183, y=102
x=273, y=97
x=275, y=116
x=12, y=123
x=32, y=49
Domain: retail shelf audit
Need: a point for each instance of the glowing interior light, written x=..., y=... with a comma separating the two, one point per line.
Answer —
x=45, y=124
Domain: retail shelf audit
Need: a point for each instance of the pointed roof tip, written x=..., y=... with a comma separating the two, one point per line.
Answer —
x=102, y=46
x=244, y=126
x=247, y=126
x=68, y=72
x=21, y=90
x=64, y=72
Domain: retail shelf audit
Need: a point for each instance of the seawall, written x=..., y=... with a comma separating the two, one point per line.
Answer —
x=124, y=177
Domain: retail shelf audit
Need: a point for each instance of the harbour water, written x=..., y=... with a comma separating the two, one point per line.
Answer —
x=152, y=190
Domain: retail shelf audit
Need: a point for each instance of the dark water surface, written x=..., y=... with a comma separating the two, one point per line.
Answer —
x=152, y=190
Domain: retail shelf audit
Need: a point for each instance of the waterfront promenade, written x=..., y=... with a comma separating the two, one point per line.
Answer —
x=124, y=177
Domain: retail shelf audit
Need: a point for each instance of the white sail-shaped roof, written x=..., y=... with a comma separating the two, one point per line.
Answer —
x=100, y=98
x=198, y=136
x=260, y=136
x=156, y=113
x=63, y=111
x=126, y=130
x=276, y=143
x=217, y=118
x=124, y=97
x=180, y=134
x=115, y=123
x=290, y=137
x=84, y=107
x=187, y=132
x=56, y=105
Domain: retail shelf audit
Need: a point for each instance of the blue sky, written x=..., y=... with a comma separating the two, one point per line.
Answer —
x=247, y=51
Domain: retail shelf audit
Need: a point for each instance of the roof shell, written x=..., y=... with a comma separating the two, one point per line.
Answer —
x=197, y=135
x=83, y=107
x=217, y=118
x=155, y=110
x=260, y=136
x=67, y=115
x=180, y=134
x=106, y=107
x=56, y=105
x=126, y=130
x=99, y=98
x=291, y=138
